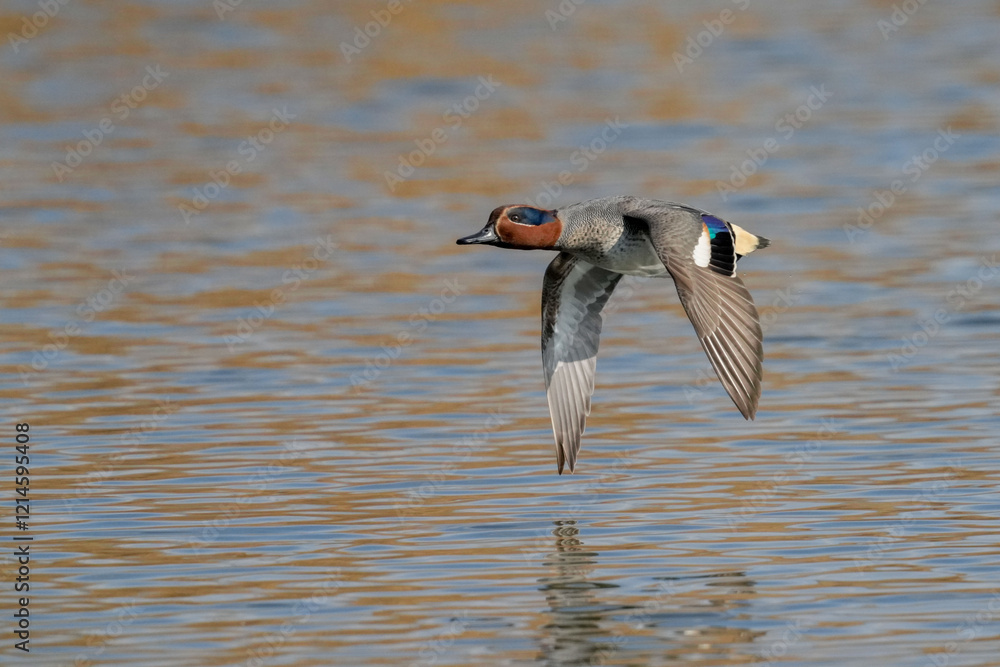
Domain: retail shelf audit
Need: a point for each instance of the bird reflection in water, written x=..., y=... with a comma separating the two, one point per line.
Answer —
x=576, y=634
x=682, y=617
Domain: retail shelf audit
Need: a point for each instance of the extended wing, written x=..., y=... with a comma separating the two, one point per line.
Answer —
x=700, y=252
x=573, y=294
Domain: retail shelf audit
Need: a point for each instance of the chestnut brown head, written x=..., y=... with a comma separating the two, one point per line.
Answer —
x=519, y=226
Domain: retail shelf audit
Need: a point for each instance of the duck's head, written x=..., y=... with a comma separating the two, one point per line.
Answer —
x=520, y=227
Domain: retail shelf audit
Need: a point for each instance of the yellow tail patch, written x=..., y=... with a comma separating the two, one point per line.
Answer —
x=745, y=242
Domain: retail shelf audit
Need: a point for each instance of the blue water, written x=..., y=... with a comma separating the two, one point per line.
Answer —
x=302, y=427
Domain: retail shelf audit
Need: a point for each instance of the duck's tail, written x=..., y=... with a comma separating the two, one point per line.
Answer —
x=746, y=242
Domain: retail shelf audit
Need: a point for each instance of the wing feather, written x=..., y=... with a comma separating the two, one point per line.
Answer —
x=714, y=297
x=573, y=294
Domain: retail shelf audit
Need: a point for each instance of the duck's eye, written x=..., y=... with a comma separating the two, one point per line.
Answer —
x=514, y=217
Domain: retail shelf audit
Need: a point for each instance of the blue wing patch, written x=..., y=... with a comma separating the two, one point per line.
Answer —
x=723, y=248
x=714, y=225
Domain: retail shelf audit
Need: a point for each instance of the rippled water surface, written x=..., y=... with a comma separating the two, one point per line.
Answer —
x=277, y=417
